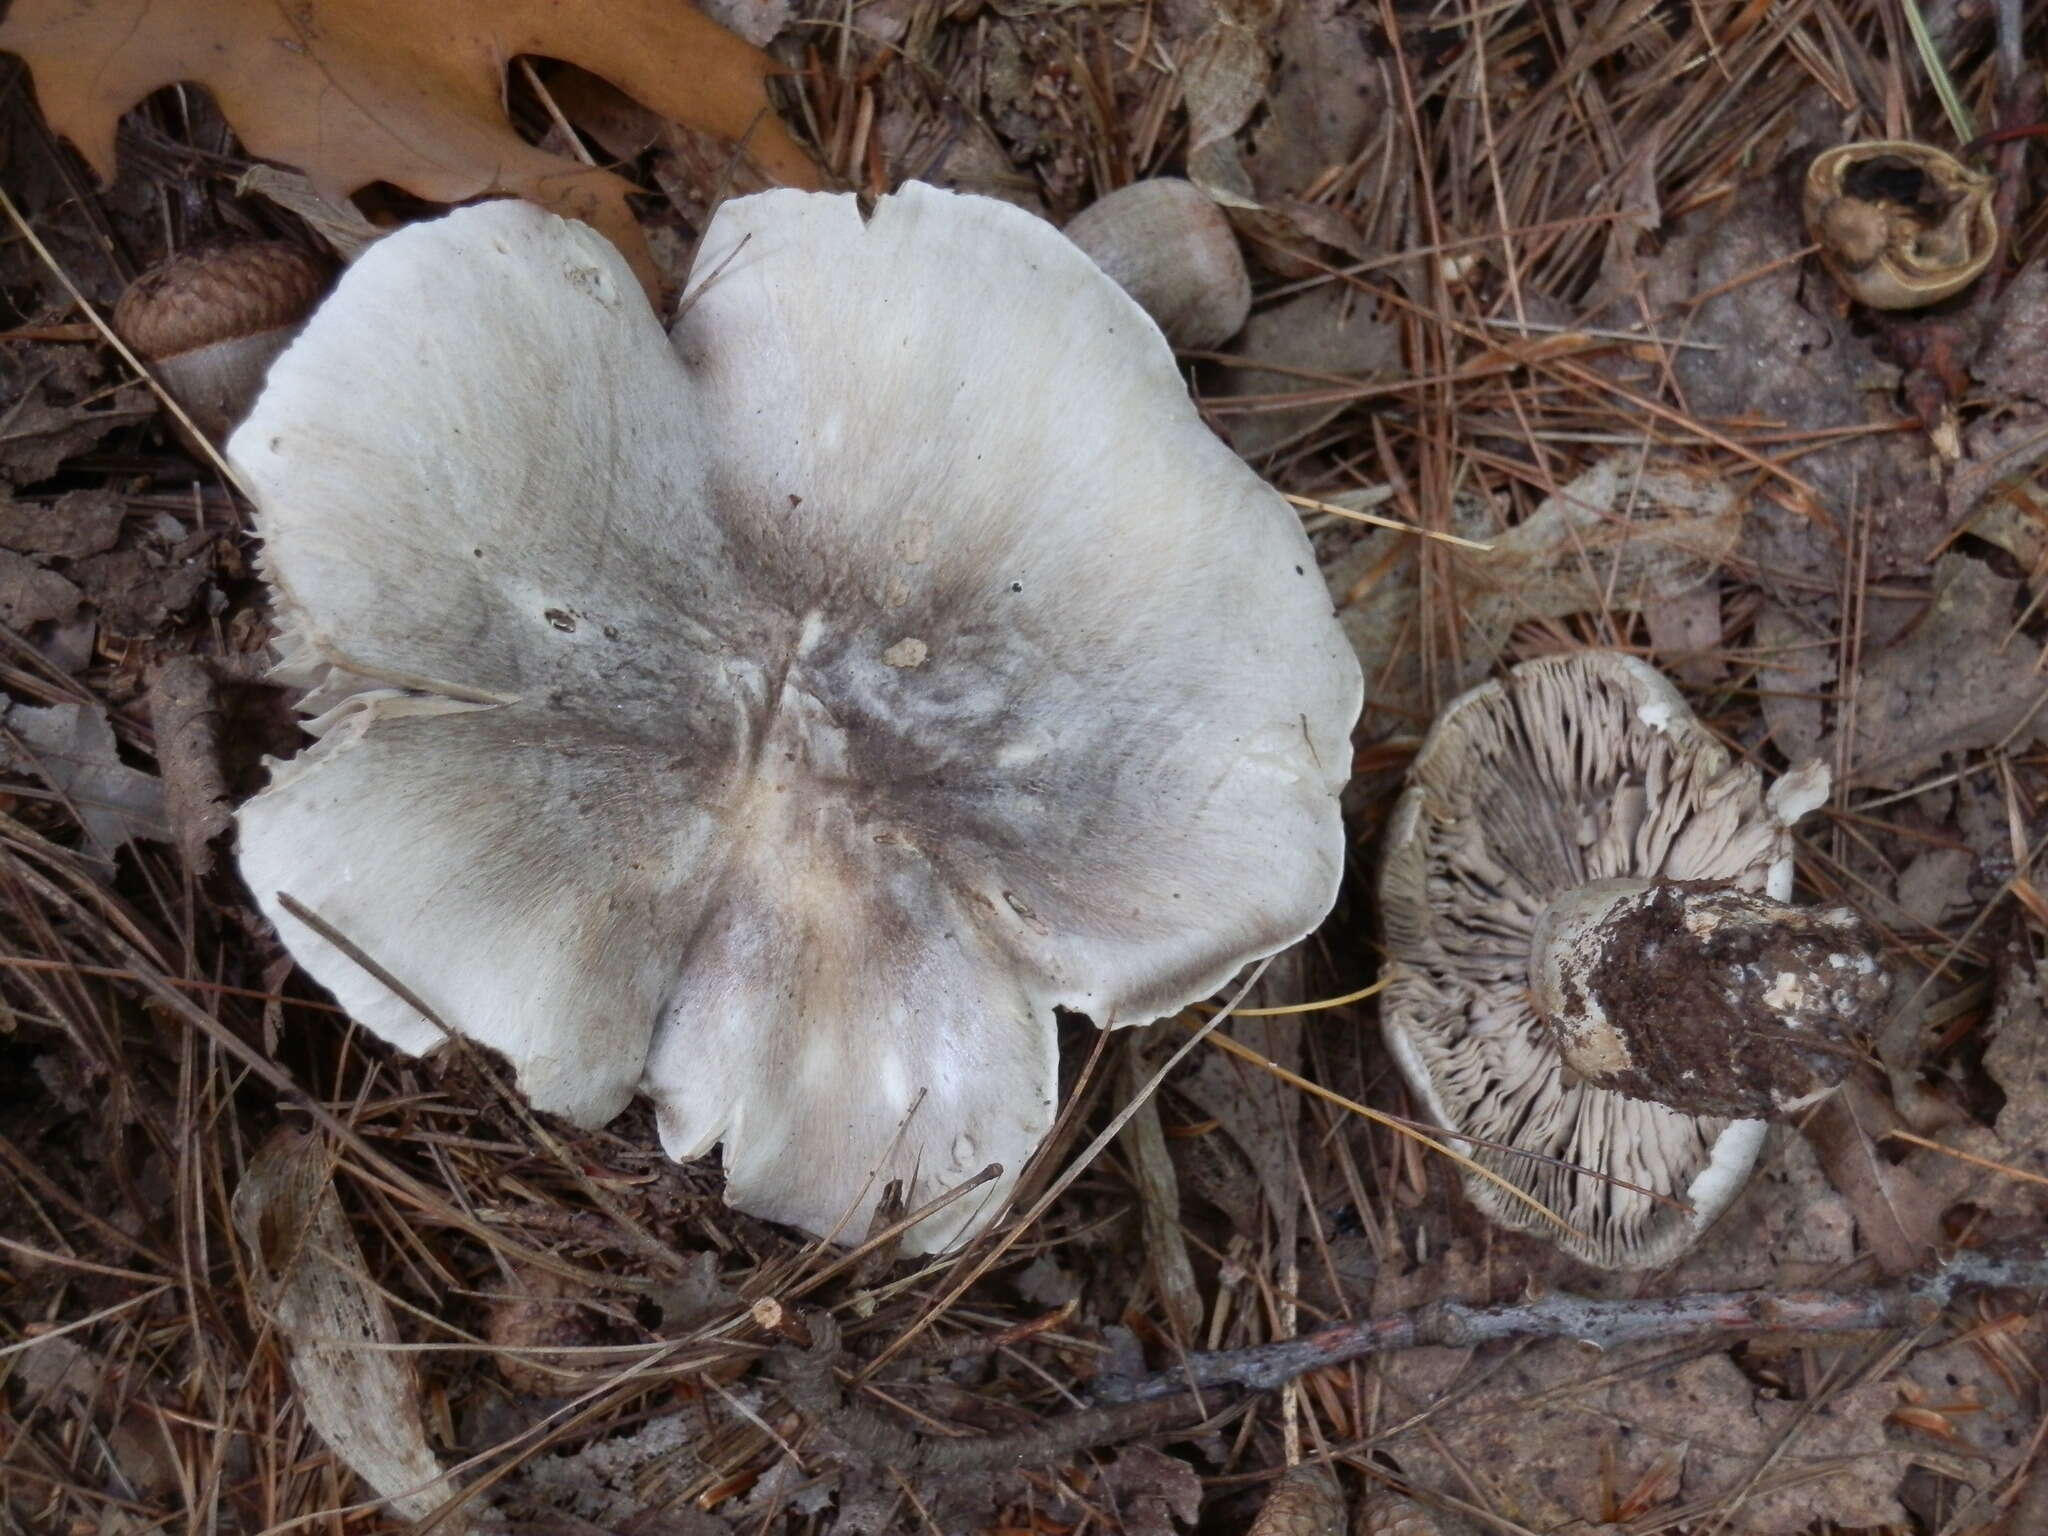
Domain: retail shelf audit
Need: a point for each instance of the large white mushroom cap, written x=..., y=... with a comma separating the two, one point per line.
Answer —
x=1571, y=770
x=785, y=717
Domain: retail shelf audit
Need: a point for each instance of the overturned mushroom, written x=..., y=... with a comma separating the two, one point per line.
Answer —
x=1584, y=903
x=784, y=718
x=1900, y=225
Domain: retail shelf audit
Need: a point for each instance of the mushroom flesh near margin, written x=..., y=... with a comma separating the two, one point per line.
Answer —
x=784, y=717
x=1592, y=957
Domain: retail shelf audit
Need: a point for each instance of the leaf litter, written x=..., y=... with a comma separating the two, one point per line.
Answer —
x=1533, y=275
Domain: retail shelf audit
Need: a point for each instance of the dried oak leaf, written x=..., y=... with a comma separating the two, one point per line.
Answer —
x=1544, y=1437
x=78, y=523
x=30, y=595
x=39, y=432
x=71, y=748
x=1898, y=1214
x=356, y=91
x=1958, y=680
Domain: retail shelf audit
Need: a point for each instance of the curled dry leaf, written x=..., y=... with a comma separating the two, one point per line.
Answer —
x=1898, y=1214
x=1614, y=538
x=360, y=1395
x=356, y=91
x=71, y=748
x=1222, y=83
x=184, y=708
x=1900, y=225
x=1166, y=1248
x=1959, y=679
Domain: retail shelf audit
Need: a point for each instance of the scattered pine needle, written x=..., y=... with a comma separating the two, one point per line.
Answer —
x=1966, y=1157
x=106, y=331
x=1245, y=1053
x=1309, y=503
x=1317, y=1006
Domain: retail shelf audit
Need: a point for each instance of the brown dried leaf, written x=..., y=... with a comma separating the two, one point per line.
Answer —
x=184, y=709
x=77, y=523
x=1553, y=1427
x=1957, y=681
x=1166, y=1248
x=138, y=590
x=1898, y=1215
x=1961, y=1383
x=1789, y=1228
x=357, y=91
x=1324, y=331
x=1223, y=80
x=1615, y=537
x=2013, y=361
x=37, y=434
x=360, y=1395
x=2017, y=1059
x=1327, y=92
x=1799, y=678
x=1729, y=280
x=31, y=595
x=71, y=748
x=1150, y=1490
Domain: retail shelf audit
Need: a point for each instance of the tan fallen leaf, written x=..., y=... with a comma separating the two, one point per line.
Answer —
x=357, y=1390
x=1898, y=1214
x=356, y=91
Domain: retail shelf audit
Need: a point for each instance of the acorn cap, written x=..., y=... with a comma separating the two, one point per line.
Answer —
x=207, y=294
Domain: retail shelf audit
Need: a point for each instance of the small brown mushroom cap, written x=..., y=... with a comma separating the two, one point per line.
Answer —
x=1900, y=225
x=1168, y=245
x=212, y=319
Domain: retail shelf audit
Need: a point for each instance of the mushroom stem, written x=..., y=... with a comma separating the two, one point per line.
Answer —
x=1704, y=996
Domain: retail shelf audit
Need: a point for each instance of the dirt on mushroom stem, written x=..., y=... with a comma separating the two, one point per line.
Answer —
x=1706, y=998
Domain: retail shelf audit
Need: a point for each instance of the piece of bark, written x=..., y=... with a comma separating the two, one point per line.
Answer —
x=184, y=706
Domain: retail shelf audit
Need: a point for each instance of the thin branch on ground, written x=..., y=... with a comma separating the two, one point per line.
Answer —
x=1912, y=1303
